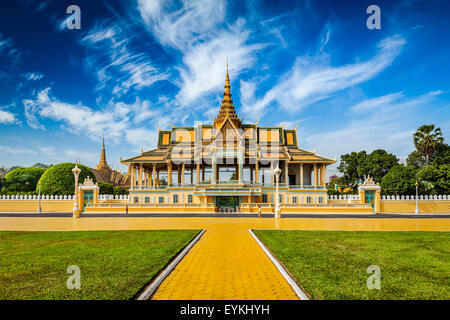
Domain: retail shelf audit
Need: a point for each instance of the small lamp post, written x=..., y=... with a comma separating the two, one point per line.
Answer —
x=39, y=197
x=76, y=210
x=277, y=172
x=417, y=197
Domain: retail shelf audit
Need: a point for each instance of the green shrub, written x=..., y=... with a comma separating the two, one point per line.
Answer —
x=400, y=180
x=106, y=188
x=119, y=190
x=22, y=180
x=59, y=179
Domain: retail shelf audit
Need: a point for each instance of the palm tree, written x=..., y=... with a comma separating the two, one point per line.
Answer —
x=427, y=140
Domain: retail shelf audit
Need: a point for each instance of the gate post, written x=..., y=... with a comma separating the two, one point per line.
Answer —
x=370, y=185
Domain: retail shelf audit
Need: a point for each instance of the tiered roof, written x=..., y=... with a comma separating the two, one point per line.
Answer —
x=264, y=143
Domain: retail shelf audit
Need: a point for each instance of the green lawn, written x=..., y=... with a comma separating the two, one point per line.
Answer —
x=113, y=264
x=333, y=264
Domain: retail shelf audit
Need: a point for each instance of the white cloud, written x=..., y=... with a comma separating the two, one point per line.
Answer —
x=205, y=62
x=382, y=125
x=369, y=104
x=7, y=117
x=115, y=63
x=181, y=26
x=80, y=155
x=198, y=31
x=33, y=76
x=11, y=150
x=118, y=121
x=313, y=79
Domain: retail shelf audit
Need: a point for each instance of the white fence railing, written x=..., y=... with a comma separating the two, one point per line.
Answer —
x=421, y=197
x=35, y=197
x=344, y=197
x=113, y=197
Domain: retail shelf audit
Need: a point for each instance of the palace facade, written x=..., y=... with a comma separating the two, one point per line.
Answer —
x=227, y=165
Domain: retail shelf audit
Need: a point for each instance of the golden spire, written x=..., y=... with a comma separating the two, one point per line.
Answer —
x=227, y=107
x=102, y=162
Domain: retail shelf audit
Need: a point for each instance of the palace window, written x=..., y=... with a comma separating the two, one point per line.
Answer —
x=320, y=199
x=264, y=198
x=189, y=198
x=175, y=198
x=294, y=199
x=308, y=199
x=161, y=200
x=136, y=200
x=147, y=199
x=280, y=197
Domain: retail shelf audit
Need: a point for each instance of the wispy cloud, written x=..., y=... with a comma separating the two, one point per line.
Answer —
x=118, y=120
x=198, y=31
x=7, y=117
x=376, y=123
x=116, y=63
x=11, y=150
x=33, y=76
x=311, y=79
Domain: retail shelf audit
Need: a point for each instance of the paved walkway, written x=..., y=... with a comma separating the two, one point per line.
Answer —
x=226, y=263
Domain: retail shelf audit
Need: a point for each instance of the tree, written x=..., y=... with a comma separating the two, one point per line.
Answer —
x=442, y=155
x=349, y=166
x=41, y=165
x=22, y=180
x=59, y=179
x=400, y=180
x=416, y=160
x=120, y=190
x=357, y=165
x=105, y=188
x=434, y=179
x=378, y=164
x=427, y=140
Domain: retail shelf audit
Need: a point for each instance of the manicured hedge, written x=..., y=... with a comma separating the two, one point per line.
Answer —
x=22, y=180
x=59, y=179
x=106, y=188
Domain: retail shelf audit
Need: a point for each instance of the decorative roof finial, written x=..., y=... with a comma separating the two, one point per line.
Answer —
x=227, y=108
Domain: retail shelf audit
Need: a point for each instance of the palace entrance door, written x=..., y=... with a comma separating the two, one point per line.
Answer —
x=88, y=197
x=227, y=203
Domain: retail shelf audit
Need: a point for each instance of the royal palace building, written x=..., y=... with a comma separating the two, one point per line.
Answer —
x=228, y=165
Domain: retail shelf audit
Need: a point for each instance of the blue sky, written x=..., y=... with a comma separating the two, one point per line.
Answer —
x=137, y=65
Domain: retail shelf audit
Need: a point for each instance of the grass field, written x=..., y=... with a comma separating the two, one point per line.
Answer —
x=113, y=264
x=333, y=264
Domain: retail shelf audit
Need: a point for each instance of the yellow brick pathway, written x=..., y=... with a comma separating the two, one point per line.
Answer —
x=226, y=263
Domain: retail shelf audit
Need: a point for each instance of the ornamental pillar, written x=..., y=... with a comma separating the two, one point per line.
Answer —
x=316, y=180
x=301, y=175
x=324, y=177
x=179, y=174
x=197, y=172
x=256, y=171
x=154, y=176
x=213, y=170
x=141, y=167
x=271, y=172
x=203, y=172
x=286, y=173
x=169, y=173
x=251, y=174
x=183, y=167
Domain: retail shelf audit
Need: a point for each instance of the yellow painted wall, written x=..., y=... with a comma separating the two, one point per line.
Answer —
x=32, y=205
x=409, y=206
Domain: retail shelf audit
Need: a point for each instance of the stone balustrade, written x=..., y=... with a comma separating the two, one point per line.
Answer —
x=35, y=197
x=413, y=197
